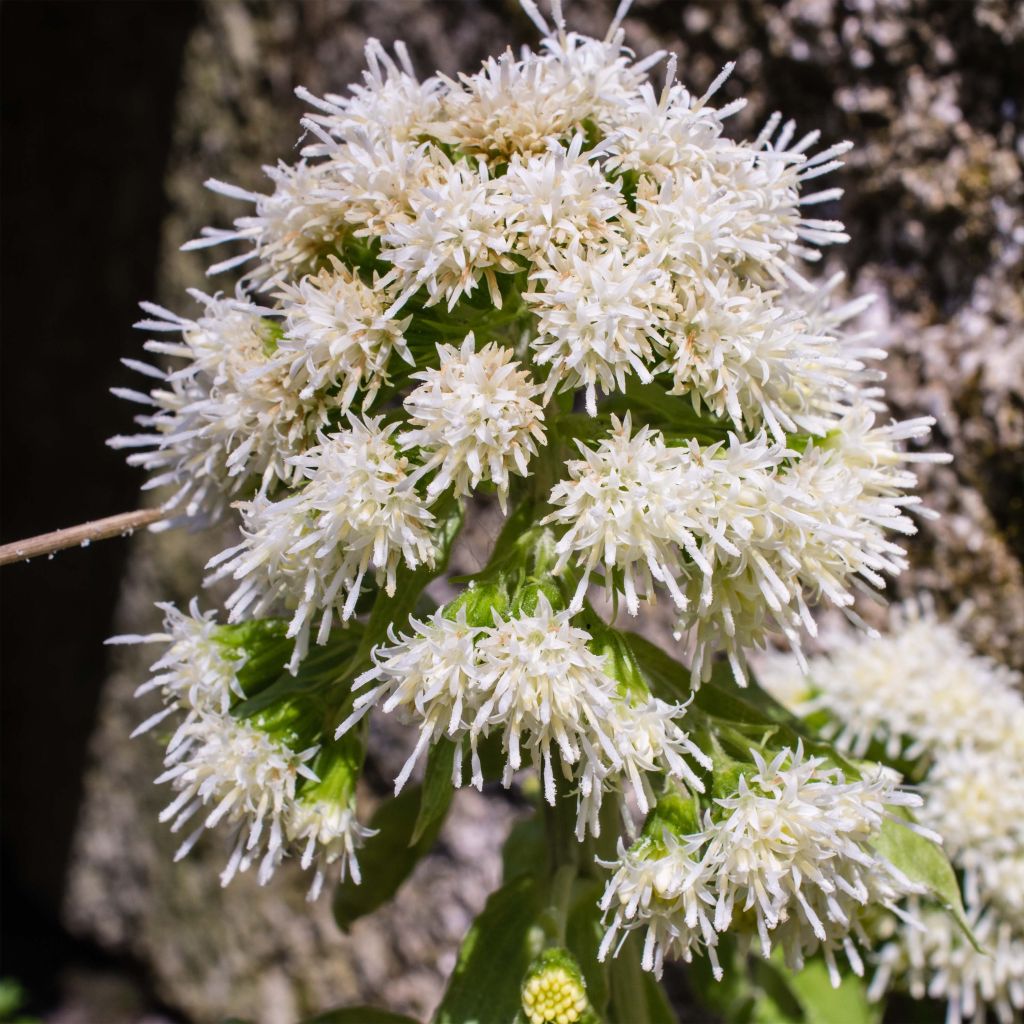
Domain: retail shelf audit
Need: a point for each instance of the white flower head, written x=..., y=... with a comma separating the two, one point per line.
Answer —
x=337, y=334
x=936, y=960
x=230, y=771
x=600, y=317
x=290, y=228
x=544, y=690
x=390, y=102
x=230, y=416
x=661, y=884
x=560, y=198
x=512, y=107
x=916, y=689
x=623, y=509
x=476, y=417
x=196, y=673
x=455, y=235
x=311, y=551
x=793, y=846
x=431, y=679
x=328, y=834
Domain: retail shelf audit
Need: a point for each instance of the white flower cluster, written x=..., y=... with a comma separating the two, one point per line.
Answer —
x=310, y=551
x=585, y=229
x=740, y=534
x=919, y=692
x=915, y=691
x=791, y=848
x=227, y=770
x=230, y=416
x=532, y=681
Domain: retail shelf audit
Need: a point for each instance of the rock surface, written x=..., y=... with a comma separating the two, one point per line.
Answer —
x=930, y=92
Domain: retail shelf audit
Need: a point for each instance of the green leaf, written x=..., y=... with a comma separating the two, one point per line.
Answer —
x=673, y=414
x=436, y=795
x=500, y=946
x=525, y=851
x=823, y=1004
x=924, y=862
x=387, y=859
x=359, y=1015
x=635, y=993
x=324, y=667
x=583, y=934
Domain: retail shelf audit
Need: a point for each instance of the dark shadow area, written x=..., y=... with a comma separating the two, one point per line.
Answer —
x=87, y=95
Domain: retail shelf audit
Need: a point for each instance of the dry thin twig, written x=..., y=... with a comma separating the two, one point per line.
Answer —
x=81, y=535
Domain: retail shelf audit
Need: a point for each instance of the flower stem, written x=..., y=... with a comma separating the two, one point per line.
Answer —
x=82, y=535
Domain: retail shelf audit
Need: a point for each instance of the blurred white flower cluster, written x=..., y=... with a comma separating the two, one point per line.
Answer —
x=558, y=282
x=919, y=694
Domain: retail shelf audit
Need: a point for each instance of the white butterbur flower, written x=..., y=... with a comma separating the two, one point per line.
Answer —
x=390, y=103
x=455, y=236
x=600, y=318
x=196, y=673
x=337, y=334
x=311, y=551
x=975, y=799
x=229, y=417
x=759, y=359
x=290, y=228
x=476, y=417
x=916, y=690
x=544, y=691
x=792, y=845
x=661, y=884
x=936, y=960
x=232, y=772
x=560, y=198
x=511, y=106
x=431, y=678
x=647, y=738
x=327, y=834
x=623, y=508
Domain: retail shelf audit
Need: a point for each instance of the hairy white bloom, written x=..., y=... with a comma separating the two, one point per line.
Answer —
x=311, y=551
x=543, y=689
x=513, y=107
x=600, y=317
x=390, y=103
x=763, y=360
x=432, y=679
x=454, y=236
x=659, y=134
x=975, y=799
x=915, y=690
x=337, y=333
x=661, y=884
x=936, y=960
x=230, y=416
x=560, y=198
x=328, y=833
x=196, y=673
x=476, y=417
x=791, y=529
x=647, y=738
x=624, y=508
x=793, y=846
x=290, y=227
x=235, y=773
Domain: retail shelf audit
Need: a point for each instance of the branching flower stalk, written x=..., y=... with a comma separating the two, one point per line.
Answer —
x=558, y=285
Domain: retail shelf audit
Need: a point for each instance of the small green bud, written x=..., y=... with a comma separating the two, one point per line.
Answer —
x=526, y=599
